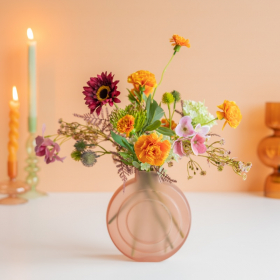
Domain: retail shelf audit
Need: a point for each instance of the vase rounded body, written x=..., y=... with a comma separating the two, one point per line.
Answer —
x=148, y=220
x=269, y=150
x=269, y=154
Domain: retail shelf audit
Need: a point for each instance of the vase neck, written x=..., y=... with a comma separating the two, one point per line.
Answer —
x=147, y=177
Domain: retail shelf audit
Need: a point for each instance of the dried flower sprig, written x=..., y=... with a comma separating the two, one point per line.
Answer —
x=163, y=175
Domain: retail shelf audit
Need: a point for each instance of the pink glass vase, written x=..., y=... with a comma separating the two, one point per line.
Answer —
x=150, y=220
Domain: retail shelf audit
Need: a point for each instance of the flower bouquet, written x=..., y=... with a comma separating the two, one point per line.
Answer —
x=148, y=217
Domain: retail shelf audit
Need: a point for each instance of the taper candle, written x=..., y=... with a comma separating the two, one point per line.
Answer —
x=13, y=135
x=32, y=101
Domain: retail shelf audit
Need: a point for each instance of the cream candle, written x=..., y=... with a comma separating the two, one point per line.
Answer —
x=13, y=135
x=32, y=87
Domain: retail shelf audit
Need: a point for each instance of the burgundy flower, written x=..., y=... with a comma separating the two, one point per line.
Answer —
x=48, y=148
x=100, y=91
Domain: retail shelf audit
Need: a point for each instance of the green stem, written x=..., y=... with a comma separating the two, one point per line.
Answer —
x=210, y=121
x=102, y=148
x=63, y=141
x=174, y=107
x=173, y=218
x=163, y=74
x=198, y=165
x=169, y=115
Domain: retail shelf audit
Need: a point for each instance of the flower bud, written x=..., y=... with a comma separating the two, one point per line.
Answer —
x=220, y=168
x=76, y=155
x=167, y=98
x=176, y=95
x=80, y=145
x=88, y=158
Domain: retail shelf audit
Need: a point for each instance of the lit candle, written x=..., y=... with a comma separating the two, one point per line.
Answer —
x=13, y=135
x=32, y=115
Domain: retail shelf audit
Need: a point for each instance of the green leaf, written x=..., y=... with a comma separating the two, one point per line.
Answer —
x=131, y=97
x=138, y=95
x=128, y=146
x=125, y=155
x=153, y=126
x=119, y=139
x=136, y=164
x=144, y=97
x=156, y=112
x=165, y=131
x=126, y=162
x=148, y=105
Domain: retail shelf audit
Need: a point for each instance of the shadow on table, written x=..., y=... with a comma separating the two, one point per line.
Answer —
x=259, y=194
x=110, y=257
x=70, y=249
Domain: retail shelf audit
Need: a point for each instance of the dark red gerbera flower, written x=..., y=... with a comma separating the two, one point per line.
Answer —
x=100, y=91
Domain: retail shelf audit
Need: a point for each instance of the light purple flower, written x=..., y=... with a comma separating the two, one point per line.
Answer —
x=185, y=128
x=198, y=145
x=48, y=148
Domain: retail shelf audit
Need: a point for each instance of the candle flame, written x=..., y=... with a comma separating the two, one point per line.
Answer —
x=15, y=95
x=30, y=34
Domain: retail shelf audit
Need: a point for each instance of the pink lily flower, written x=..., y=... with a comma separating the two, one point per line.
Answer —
x=48, y=148
x=197, y=144
x=185, y=128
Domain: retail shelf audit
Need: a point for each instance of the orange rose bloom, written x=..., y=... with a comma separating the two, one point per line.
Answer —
x=149, y=149
x=180, y=41
x=126, y=124
x=143, y=78
x=165, y=123
x=231, y=113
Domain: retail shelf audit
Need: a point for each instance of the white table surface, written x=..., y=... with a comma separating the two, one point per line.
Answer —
x=64, y=236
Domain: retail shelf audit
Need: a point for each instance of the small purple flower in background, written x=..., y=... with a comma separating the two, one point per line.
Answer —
x=48, y=148
x=185, y=128
x=178, y=148
x=197, y=144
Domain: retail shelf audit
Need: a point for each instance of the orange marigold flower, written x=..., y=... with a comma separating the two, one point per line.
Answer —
x=143, y=78
x=126, y=124
x=231, y=113
x=165, y=123
x=180, y=41
x=149, y=149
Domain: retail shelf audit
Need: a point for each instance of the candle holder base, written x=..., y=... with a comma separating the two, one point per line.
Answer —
x=32, y=194
x=32, y=168
x=272, y=186
x=11, y=200
x=13, y=188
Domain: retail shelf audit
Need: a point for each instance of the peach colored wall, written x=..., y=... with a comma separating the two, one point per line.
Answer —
x=234, y=55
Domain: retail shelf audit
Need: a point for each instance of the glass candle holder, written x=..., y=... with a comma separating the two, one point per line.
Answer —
x=269, y=150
